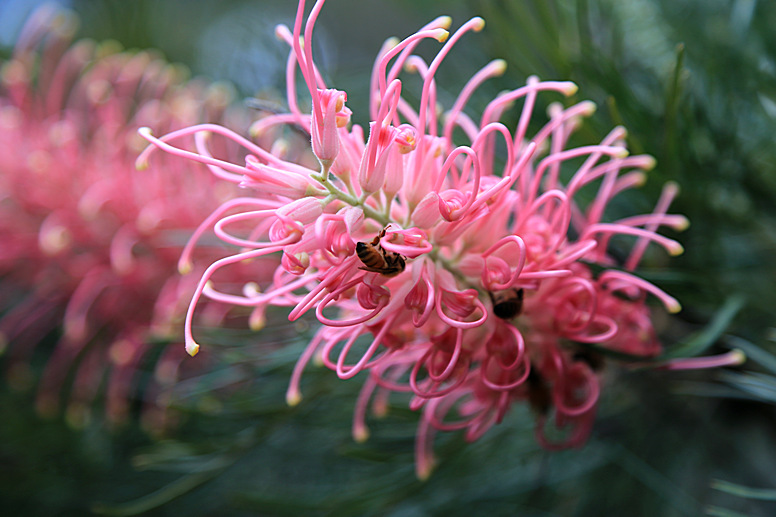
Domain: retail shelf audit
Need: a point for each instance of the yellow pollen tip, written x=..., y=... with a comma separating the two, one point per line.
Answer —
x=650, y=163
x=441, y=35
x=256, y=324
x=499, y=66
x=674, y=307
x=192, y=348
x=444, y=22
x=588, y=108
x=141, y=164
x=621, y=153
x=391, y=42
x=361, y=434
x=676, y=250
x=682, y=225
x=184, y=267
x=739, y=357
x=424, y=472
x=674, y=187
x=478, y=24
x=570, y=89
x=641, y=179
x=293, y=398
x=251, y=289
x=380, y=411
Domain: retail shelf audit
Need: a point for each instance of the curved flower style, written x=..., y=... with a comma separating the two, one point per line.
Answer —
x=88, y=240
x=447, y=256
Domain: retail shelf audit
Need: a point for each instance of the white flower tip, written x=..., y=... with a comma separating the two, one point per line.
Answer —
x=621, y=152
x=361, y=434
x=672, y=188
x=75, y=330
x=682, y=224
x=499, y=66
x=676, y=249
x=478, y=24
x=185, y=267
x=588, y=108
x=391, y=43
x=54, y=239
x=255, y=129
x=441, y=35
x=424, y=471
x=257, y=322
x=444, y=22
x=639, y=179
x=192, y=348
x=251, y=289
x=554, y=109
x=738, y=357
x=280, y=31
x=649, y=163
x=65, y=24
x=569, y=89
x=380, y=410
x=293, y=398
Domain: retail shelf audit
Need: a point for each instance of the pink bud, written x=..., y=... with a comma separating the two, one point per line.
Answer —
x=427, y=214
x=293, y=217
x=353, y=217
x=371, y=174
x=325, y=137
x=394, y=171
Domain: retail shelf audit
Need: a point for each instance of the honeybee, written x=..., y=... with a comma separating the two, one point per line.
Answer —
x=507, y=303
x=378, y=260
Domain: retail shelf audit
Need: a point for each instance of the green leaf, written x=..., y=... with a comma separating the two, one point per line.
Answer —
x=718, y=511
x=698, y=342
x=753, y=352
x=153, y=500
x=762, y=494
x=761, y=385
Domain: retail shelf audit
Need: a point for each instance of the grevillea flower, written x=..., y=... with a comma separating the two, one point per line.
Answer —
x=89, y=241
x=450, y=257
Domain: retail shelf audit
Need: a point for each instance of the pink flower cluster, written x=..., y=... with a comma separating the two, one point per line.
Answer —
x=89, y=244
x=447, y=257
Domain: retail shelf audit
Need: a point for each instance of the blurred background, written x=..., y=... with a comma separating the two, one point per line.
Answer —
x=695, y=84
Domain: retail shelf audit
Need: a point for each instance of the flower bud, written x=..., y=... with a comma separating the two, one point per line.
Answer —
x=333, y=115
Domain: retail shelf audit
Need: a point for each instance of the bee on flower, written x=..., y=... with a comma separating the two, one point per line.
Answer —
x=455, y=272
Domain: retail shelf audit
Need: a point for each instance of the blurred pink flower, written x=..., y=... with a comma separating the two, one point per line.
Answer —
x=447, y=256
x=89, y=241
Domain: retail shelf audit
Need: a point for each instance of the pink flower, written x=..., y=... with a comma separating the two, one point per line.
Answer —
x=89, y=241
x=448, y=257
